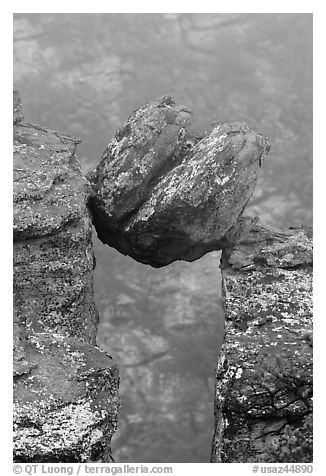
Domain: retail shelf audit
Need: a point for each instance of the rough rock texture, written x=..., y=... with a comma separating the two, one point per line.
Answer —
x=55, y=319
x=49, y=191
x=53, y=256
x=66, y=408
x=264, y=372
x=162, y=192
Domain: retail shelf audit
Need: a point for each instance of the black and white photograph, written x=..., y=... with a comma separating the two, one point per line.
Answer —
x=162, y=228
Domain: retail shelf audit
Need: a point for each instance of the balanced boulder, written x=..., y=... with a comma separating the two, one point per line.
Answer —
x=163, y=192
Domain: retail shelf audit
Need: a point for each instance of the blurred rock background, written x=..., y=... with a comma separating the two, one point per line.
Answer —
x=83, y=74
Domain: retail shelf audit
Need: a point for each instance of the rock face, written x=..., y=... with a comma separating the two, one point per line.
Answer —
x=53, y=257
x=65, y=389
x=263, y=404
x=163, y=193
x=65, y=409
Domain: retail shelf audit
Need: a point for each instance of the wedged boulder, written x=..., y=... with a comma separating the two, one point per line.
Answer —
x=163, y=193
x=65, y=408
x=263, y=403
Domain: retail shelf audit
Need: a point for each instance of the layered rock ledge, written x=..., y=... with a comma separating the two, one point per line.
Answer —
x=65, y=389
x=263, y=403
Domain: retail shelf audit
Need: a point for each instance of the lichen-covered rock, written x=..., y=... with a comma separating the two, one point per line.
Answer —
x=65, y=389
x=264, y=372
x=49, y=190
x=163, y=193
x=53, y=256
x=65, y=408
x=53, y=282
x=137, y=154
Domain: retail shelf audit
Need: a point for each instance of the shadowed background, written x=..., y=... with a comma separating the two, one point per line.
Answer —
x=83, y=74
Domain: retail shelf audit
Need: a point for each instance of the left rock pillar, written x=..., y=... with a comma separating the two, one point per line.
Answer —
x=65, y=388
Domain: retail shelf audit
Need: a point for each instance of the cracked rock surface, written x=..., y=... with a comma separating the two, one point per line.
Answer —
x=162, y=192
x=264, y=371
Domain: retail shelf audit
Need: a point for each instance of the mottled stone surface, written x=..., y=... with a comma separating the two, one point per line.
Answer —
x=49, y=190
x=53, y=256
x=163, y=193
x=53, y=282
x=264, y=372
x=65, y=409
x=65, y=389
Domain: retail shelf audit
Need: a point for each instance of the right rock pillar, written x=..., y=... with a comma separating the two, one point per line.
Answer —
x=263, y=401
